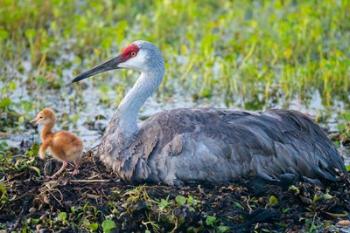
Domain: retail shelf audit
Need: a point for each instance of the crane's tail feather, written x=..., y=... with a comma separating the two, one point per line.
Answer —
x=312, y=162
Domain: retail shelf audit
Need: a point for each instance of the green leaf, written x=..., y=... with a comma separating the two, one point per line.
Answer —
x=3, y=34
x=180, y=200
x=27, y=106
x=163, y=204
x=346, y=116
x=3, y=147
x=30, y=34
x=205, y=93
x=33, y=151
x=36, y=169
x=41, y=81
x=238, y=205
x=93, y=226
x=348, y=168
x=12, y=86
x=273, y=200
x=35, y=220
x=223, y=229
x=294, y=189
x=192, y=201
x=327, y=196
x=5, y=102
x=316, y=198
x=3, y=191
x=210, y=220
x=62, y=216
x=21, y=120
x=108, y=225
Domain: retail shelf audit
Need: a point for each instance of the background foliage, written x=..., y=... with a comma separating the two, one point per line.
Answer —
x=252, y=54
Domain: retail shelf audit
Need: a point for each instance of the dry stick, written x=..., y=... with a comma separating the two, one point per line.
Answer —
x=19, y=218
x=54, y=197
x=90, y=181
x=27, y=193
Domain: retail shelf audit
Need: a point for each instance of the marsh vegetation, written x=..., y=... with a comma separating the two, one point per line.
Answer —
x=251, y=55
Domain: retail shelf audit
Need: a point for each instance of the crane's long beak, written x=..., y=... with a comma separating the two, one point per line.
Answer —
x=108, y=65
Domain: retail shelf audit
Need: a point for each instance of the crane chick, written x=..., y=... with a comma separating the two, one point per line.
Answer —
x=63, y=145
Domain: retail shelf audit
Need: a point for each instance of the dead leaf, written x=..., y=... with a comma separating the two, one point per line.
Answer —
x=343, y=223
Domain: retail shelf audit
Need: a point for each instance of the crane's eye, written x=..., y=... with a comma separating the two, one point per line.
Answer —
x=133, y=54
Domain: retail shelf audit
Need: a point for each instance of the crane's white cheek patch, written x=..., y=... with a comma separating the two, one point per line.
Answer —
x=136, y=62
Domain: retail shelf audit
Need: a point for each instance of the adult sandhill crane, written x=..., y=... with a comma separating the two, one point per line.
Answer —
x=207, y=145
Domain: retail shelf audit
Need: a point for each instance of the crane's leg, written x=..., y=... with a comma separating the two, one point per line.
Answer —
x=64, y=165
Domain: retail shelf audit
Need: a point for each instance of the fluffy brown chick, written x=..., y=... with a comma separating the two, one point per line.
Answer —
x=63, y=145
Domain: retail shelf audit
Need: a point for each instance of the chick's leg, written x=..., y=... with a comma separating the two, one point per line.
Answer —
x=64, y=165
x=42, y=150
x=76, y=167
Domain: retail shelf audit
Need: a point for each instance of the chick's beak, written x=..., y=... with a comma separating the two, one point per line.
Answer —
x=34, y=121
x=108, y=65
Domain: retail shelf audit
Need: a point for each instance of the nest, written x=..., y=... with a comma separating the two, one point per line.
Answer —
x=95, y=195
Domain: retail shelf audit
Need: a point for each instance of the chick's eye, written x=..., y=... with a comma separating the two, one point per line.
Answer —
x=41, y=117
x=133, y=54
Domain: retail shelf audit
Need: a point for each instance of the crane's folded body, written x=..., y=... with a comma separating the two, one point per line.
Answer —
x=218, y=146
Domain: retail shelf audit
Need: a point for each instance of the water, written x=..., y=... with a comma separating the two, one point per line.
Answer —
x=80, y=107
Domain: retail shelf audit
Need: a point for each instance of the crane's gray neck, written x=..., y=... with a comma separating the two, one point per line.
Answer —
x=129, y=107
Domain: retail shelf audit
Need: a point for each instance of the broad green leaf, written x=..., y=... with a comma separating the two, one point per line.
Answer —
x=62, y=216
x=12, y=86
x=5, y=102
x=294, y=189
x=348, y=168
x=192, y=201
x=180, y=200
x=3, y=34
x=108, y=225
x=316, y=198
x=93, y=226
x=327, y=196
x=210, y=220
x=223, y=229
x=273, y=200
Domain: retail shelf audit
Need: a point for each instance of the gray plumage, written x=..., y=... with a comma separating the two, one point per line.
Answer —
x=217, y=146
x=208, y=145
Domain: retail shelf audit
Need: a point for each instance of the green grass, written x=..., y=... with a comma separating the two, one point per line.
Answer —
x=247, y=53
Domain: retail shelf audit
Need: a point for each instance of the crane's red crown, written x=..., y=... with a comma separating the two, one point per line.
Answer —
x=130, y=51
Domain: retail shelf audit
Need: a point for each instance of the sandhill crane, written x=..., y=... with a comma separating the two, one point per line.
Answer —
x=207, y=145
